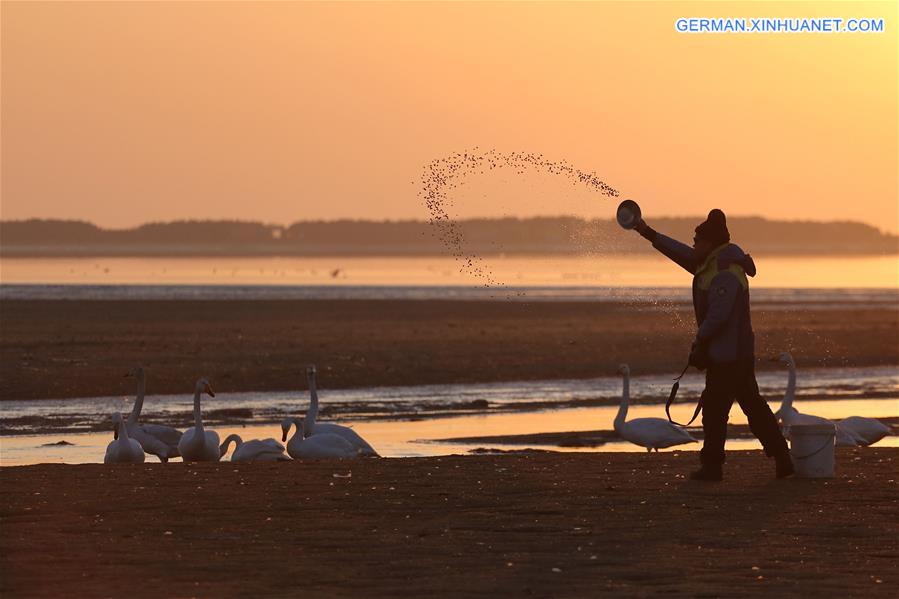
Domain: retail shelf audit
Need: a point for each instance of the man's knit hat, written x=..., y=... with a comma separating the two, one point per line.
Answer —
x=714, y=229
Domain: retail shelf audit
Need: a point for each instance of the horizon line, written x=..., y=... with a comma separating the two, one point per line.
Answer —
x=697, y=218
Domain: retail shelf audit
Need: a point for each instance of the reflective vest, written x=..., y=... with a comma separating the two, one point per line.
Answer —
x=709, y=268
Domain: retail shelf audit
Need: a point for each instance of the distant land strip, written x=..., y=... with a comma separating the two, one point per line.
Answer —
x=512, y=236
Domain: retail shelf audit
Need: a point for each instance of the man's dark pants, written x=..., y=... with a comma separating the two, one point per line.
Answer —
x=723, y=384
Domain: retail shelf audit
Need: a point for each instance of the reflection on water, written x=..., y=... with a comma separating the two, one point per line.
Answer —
x=531, y=271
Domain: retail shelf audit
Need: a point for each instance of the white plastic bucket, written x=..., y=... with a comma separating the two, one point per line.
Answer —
x=811, y=447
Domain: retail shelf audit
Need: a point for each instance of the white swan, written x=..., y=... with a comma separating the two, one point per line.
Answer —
x=197, y=444
x=156, y=439
x=312, y=427
x=651, y=433
x=790, y=416
x=322, y=445
x=870, y=430
x=123, y=450
x=266, y=450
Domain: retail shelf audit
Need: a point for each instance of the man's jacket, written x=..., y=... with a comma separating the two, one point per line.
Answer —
x=720, y=297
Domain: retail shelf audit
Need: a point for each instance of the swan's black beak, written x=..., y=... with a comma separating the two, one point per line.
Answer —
x=283, y=435
x=115, y=434
x=209, y=391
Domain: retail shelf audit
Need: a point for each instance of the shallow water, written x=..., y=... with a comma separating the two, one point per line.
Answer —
x=639, y=271
x=428, y=401
x=660, y=298
x=405, y=421
x=417, y=438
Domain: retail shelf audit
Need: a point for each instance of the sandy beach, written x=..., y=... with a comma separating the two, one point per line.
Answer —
x=519, y=525
x=60, y=349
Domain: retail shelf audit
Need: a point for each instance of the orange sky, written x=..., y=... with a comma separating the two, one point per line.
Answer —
x=121, y=113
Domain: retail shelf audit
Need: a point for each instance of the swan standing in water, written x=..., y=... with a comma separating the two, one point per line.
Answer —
x=267, y=450
x=312, y=427
x=123, y=450
x=790, y=416
x=651, y=433
x=156, y=439
x=319, y=446
x=197, y=444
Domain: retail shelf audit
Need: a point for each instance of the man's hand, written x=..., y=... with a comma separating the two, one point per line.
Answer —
x=641, y=226
x=645, y=230
x=698, y=355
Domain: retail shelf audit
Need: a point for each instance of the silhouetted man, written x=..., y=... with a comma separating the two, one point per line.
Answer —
x=724, y=343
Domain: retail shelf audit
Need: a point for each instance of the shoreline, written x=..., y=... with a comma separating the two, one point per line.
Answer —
x=653, y=298
x=598, y=438
x=173, y=411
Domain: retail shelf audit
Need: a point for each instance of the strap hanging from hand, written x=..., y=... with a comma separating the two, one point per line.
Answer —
x=673, y=394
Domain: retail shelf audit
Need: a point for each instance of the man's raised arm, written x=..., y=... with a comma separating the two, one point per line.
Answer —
x=678, y=252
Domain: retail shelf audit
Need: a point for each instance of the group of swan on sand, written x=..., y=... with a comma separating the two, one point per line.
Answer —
x=659, y=433
x=316, y=440
x=312, y=439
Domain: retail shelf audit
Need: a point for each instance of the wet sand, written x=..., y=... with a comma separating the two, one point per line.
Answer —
x=60, y=349
x=519, y=525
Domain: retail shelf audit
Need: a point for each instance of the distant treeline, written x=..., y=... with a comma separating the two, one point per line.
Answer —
x=562, y=235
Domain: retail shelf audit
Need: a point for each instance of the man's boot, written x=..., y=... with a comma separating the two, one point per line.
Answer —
x=709, y=472
x=784, y=465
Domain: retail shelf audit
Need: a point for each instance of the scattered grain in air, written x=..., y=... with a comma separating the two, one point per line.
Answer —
x=443, y=175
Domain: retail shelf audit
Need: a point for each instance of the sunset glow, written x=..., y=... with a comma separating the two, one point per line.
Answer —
x=122, y=113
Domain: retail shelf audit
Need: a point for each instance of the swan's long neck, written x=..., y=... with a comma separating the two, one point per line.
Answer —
x=790, y=393
x=312, y=413
x=139, y=399
x=223, y=448
x=123, y=431
x=198, y=417
x=625, y=400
